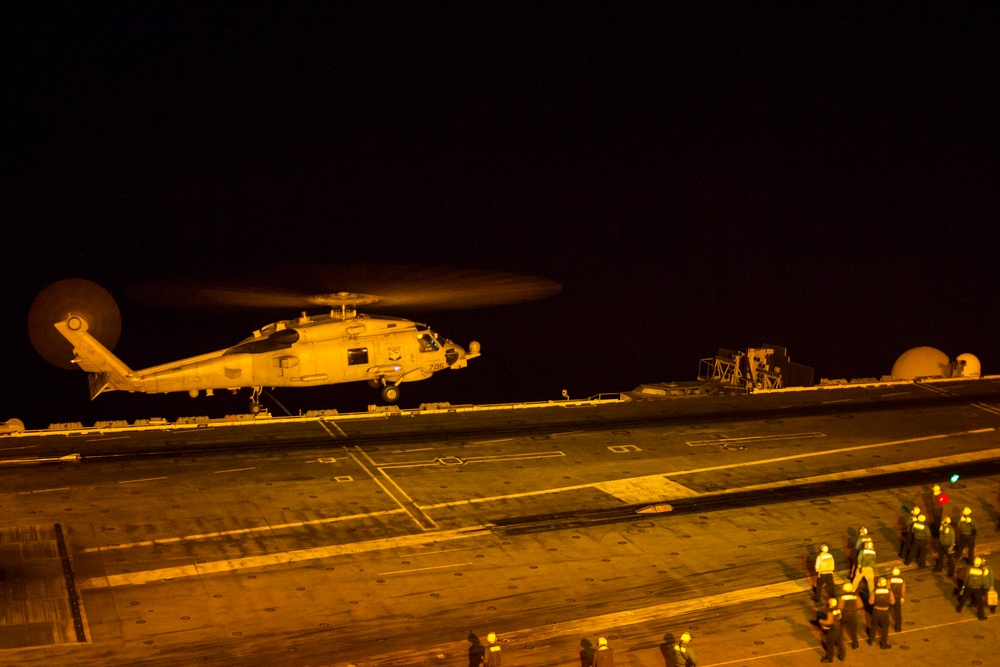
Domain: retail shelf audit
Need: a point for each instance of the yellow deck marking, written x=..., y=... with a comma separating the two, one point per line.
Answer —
x=280, y=558
x=241, y=531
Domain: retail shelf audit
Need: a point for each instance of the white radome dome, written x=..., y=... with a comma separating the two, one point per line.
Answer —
x=921, y=362
x=971, y=368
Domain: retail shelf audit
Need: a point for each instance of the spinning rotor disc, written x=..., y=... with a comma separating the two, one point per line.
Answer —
x=357, y=285
x=56, y=302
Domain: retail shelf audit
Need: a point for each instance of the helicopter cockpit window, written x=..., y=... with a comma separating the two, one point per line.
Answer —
x=427, y=342
x=357, y=355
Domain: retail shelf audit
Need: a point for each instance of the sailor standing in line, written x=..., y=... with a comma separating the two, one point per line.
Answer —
x=856, y=548
x=882, y=600
x=906, y=538
x=605, y=655
x=824, y=573
x=898, y=587
x=938, y=499
x=966, y=535
x=972, y=586
x=851, y=608
x=832, y=629
x=946, y=546
x=919, y=534
x=866, y=568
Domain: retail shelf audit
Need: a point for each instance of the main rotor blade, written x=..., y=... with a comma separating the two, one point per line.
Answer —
x=376, y=287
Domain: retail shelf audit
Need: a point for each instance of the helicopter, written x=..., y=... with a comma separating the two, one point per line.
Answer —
x=336, y=346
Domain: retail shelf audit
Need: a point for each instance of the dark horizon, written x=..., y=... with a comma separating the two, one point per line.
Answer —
x=695, y=176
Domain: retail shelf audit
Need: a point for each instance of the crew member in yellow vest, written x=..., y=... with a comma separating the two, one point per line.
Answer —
x=866, y=568
x=683, y=653
x=856, y=548
x=946, y=546
x=966, y=535
x=920, y=532
x=973, y=586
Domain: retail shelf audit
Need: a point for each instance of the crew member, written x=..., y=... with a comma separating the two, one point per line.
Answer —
x=605, y=655
x=683, y=653
x=972, y=586
x=898, y=587
x=919, y=534
x=856, y=548
x=866, y=567
x=492, y=658
x=946, y=546
x=824, y=573
x=830, y=624
x=882, y=600
x=586, y=653
x=966, y=535
x=906, y=538
x=476, y=650
x=938, y=499
x=851, y=607
x=989, y=585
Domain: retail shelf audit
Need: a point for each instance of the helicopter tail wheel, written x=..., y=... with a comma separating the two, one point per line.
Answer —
x=390, y=393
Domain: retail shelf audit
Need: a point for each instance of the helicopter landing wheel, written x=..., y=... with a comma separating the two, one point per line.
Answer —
x=390, y=393
x=374, y=384
x=255, y=406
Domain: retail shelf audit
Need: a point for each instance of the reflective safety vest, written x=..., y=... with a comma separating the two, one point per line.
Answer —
x=883, y=598
x=967, y=526
x=683, y=655
x=492, y=656
x=850, y=603
x=920, y=531
x=947, y=536
x=867, y=558
x=974, y=579
x=831, y=619
x=898, y=587
x=825, y=563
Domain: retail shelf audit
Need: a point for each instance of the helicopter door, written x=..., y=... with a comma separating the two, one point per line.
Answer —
x=358, y=358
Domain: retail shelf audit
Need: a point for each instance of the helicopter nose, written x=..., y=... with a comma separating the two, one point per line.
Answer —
x=456, y=357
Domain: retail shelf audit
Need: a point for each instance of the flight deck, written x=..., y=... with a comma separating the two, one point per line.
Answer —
x=384, y=538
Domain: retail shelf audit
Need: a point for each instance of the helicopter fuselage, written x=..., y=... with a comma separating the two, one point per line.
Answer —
x=309, y=350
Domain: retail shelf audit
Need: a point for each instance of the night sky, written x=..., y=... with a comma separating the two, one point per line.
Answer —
x=695, y=175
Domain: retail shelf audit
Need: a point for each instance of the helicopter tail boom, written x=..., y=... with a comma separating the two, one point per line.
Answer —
x=106, y=370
